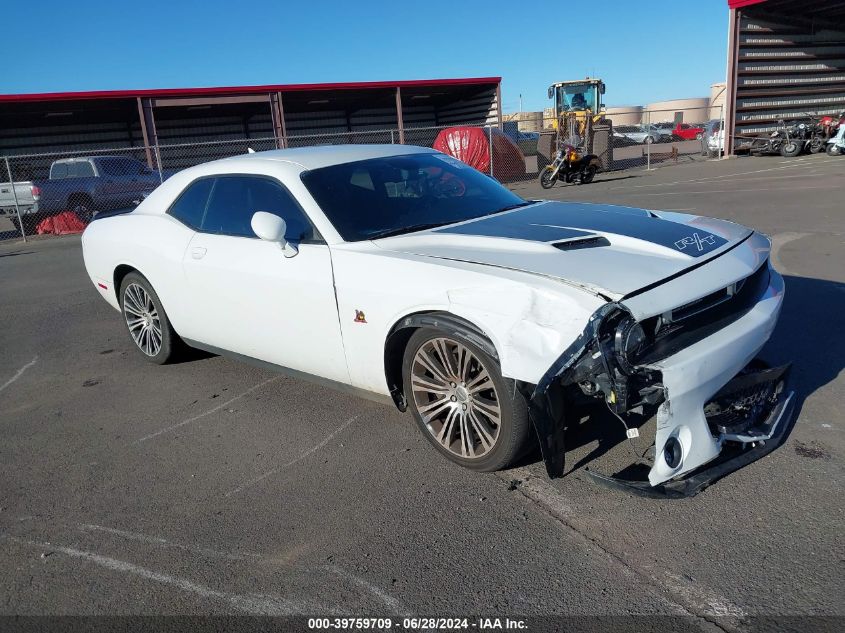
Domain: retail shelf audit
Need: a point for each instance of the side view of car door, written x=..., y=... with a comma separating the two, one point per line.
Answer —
x=246, y=296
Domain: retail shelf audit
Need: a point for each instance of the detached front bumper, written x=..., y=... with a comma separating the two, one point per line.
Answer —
x=695, y=374
x=715, y=413
x=754, y=437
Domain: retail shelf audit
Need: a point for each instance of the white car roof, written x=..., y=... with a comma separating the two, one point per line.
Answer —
x=327, y=155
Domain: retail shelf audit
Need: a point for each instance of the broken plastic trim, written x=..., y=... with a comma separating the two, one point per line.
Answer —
x=734, y=455
x=541, y=404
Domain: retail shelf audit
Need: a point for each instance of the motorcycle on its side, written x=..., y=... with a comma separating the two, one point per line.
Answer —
x=569, y=165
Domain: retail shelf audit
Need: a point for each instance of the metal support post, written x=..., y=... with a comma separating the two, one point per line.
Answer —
x=15, y=194
x=490, y=143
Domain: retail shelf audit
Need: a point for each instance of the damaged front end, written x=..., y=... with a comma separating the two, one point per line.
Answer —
x=716, y=408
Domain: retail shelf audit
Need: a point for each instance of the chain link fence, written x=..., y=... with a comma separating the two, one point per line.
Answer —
x=60, y=192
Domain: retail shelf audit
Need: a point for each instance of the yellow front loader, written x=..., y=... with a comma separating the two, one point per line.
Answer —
x=577, y=106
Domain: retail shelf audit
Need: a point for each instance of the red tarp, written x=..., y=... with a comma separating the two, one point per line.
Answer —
x=472, y=146
x=64, y=223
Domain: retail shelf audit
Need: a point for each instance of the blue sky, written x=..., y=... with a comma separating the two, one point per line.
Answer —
x=645, y=51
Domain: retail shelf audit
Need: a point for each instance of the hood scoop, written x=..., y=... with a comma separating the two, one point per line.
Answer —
x=594, y=241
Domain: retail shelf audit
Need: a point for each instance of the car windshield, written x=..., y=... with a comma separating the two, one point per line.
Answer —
x=387, y=196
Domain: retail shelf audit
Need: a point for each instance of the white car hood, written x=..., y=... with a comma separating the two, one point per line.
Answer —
x=609, y=250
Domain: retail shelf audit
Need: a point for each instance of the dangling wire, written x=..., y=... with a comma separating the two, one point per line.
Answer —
x=639, y=459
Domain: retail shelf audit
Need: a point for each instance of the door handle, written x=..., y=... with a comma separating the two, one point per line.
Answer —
x=198, y=252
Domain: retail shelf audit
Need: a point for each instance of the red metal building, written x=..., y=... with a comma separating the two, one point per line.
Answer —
x=276, y=114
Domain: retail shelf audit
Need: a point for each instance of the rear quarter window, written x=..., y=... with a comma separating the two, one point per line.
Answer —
x=189, y=207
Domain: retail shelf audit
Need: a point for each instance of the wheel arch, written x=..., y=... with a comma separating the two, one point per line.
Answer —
x=119, y=275
x=401, y=332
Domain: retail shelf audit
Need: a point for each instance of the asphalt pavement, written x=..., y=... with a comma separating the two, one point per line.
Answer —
x=211, y=487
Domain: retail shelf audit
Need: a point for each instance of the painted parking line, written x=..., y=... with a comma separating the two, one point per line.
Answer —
x=249, y=603
x=391, y=602
x=709, y=191
x=722, y=177
x=298, y=458
x=161, y=542
x=691, y=596
x=19, y=373
x=178, y=425
x=779, y=240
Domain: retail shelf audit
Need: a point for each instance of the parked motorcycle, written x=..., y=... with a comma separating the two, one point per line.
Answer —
x=569, y=165
x=805, y=135
x=772, y=142
x=831, y=124
x=836, y=144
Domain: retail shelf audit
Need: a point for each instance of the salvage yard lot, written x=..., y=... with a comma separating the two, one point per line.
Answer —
x=209, y=486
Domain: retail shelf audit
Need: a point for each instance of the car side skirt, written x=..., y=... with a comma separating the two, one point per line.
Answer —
x=294, y=373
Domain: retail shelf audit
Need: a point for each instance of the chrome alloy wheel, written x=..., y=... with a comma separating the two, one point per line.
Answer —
x=456, y=398
x=142, y=318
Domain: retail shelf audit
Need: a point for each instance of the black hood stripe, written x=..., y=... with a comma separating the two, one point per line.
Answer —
x=489, y=227
x=555, y=221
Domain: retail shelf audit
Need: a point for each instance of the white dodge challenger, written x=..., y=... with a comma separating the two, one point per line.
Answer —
x=405, y=275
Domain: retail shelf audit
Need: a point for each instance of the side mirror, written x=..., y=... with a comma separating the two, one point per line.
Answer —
x=271, y=228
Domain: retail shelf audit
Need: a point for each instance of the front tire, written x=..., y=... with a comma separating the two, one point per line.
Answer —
x=833, y=150
x=547, y=179
x=461, y=403
x=790, y=149
x=146, y=321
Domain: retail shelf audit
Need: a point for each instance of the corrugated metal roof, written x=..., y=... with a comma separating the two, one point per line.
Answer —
x=242, y=90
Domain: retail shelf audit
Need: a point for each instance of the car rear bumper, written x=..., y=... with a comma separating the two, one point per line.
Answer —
x=25, y=209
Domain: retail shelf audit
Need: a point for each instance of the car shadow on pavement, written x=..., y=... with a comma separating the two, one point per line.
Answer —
x=808, y=334
x=190, y=355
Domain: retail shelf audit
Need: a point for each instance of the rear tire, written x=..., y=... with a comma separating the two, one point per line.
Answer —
x=547, y=180
x=833, y=150
x=461, y=403
x=29, y=225
x=587, y=175
x=146, y=321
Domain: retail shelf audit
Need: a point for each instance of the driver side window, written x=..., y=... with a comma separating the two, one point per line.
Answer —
x=234, y=199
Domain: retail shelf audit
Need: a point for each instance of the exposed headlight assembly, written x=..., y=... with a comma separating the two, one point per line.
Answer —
x=628, y=340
